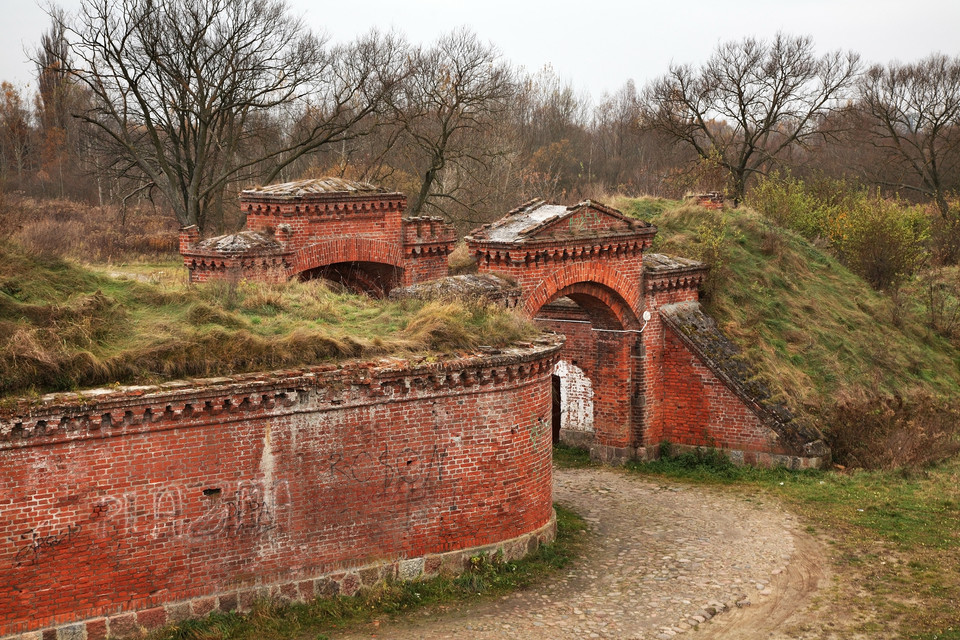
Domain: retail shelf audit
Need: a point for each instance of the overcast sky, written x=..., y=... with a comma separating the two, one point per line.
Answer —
x=596, y=44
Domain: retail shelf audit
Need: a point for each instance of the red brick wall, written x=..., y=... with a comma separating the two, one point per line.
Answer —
x=605, y=357
x=427, y=243
x=336, y=229
x=653, y=364
x=697, y=409
x=128, y=501
x=376, y=215
x=578, y=351
x=206, y=267
x=587, y=221
x=616, y=276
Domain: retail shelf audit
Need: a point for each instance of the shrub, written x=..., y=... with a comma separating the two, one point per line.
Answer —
x=789, y=202
x=713, y=244
x=880, y=431
x=945, y=236
x=880, y=239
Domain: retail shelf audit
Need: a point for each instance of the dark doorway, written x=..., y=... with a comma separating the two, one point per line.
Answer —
x=557, y=408
x=372, y=278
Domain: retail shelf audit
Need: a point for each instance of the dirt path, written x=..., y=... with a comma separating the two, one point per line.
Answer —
x=665, y=558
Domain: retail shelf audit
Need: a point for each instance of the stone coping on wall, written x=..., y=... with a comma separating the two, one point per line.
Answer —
x=663, y=272
x=123, y=410
x=135, y=624
x=315, y=188
x=700, y=334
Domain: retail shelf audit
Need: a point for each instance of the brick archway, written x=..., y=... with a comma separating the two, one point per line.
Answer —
x=606, y=308
x=327, y=252
x=588, y=281
x=361, y=264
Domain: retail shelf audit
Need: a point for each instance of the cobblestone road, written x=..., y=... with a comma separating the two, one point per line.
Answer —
x=664, y=559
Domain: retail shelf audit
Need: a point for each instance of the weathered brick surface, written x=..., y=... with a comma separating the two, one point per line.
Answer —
x=642, y=385
x=696, y=408
x=137, y=498
x=320, y=234
x=594, y=256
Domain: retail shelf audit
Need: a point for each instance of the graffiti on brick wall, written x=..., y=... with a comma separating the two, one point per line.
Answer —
x=171, y=511
x=249, y=508
x=37, y=544
x=584, y=221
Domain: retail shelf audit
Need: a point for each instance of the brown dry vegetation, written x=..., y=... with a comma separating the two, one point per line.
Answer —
x=87, y=233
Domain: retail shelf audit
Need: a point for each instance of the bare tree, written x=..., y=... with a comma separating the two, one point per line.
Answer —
x=193, y=95
x=15, y=134
x=913, y=114
x=59, y=136
x=750, y=101
x=457, y=91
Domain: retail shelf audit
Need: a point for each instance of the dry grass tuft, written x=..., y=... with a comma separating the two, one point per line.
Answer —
x=460, y=261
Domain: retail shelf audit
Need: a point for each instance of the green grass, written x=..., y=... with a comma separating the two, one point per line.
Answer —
x=893, y=537
x=572, y=457
x=66, y=327
x=271, y=620
x=815, y=331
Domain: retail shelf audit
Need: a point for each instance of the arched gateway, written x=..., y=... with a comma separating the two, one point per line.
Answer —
x=626, y=385
x=350, y=232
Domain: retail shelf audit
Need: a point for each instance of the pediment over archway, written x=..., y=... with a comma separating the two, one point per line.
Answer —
x=539, y=220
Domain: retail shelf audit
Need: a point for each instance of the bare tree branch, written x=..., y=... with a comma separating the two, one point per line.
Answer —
x=912, y=112
x=192, y=92
x=750, y=101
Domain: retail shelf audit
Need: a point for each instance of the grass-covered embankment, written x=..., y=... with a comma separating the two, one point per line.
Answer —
x=815, y=330
x=865, y=366
x=64, y=327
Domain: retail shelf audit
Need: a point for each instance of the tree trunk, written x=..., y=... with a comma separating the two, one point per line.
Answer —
x=428, y=179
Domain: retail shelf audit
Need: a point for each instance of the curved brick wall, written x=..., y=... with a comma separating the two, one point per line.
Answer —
x=133, y=507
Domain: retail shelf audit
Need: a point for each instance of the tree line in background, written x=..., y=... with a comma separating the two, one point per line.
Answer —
x=182, y=103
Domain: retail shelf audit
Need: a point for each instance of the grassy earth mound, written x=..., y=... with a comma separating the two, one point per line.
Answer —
x=816, y=330
x=865, y=366
x=65, y=327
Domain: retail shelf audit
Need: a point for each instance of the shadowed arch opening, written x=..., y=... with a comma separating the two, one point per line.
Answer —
x=604, y=307
x=615, y=291
x=361, y=265
x=371, y=278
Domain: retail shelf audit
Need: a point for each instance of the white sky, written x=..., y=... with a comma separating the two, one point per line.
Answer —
x=596, y=44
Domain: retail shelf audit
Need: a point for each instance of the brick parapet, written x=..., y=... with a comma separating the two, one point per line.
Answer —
x=188, y=236
x=427, y=230
x=551, y=252
x=316, y=230
x=427, y=243
x=99, y=413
